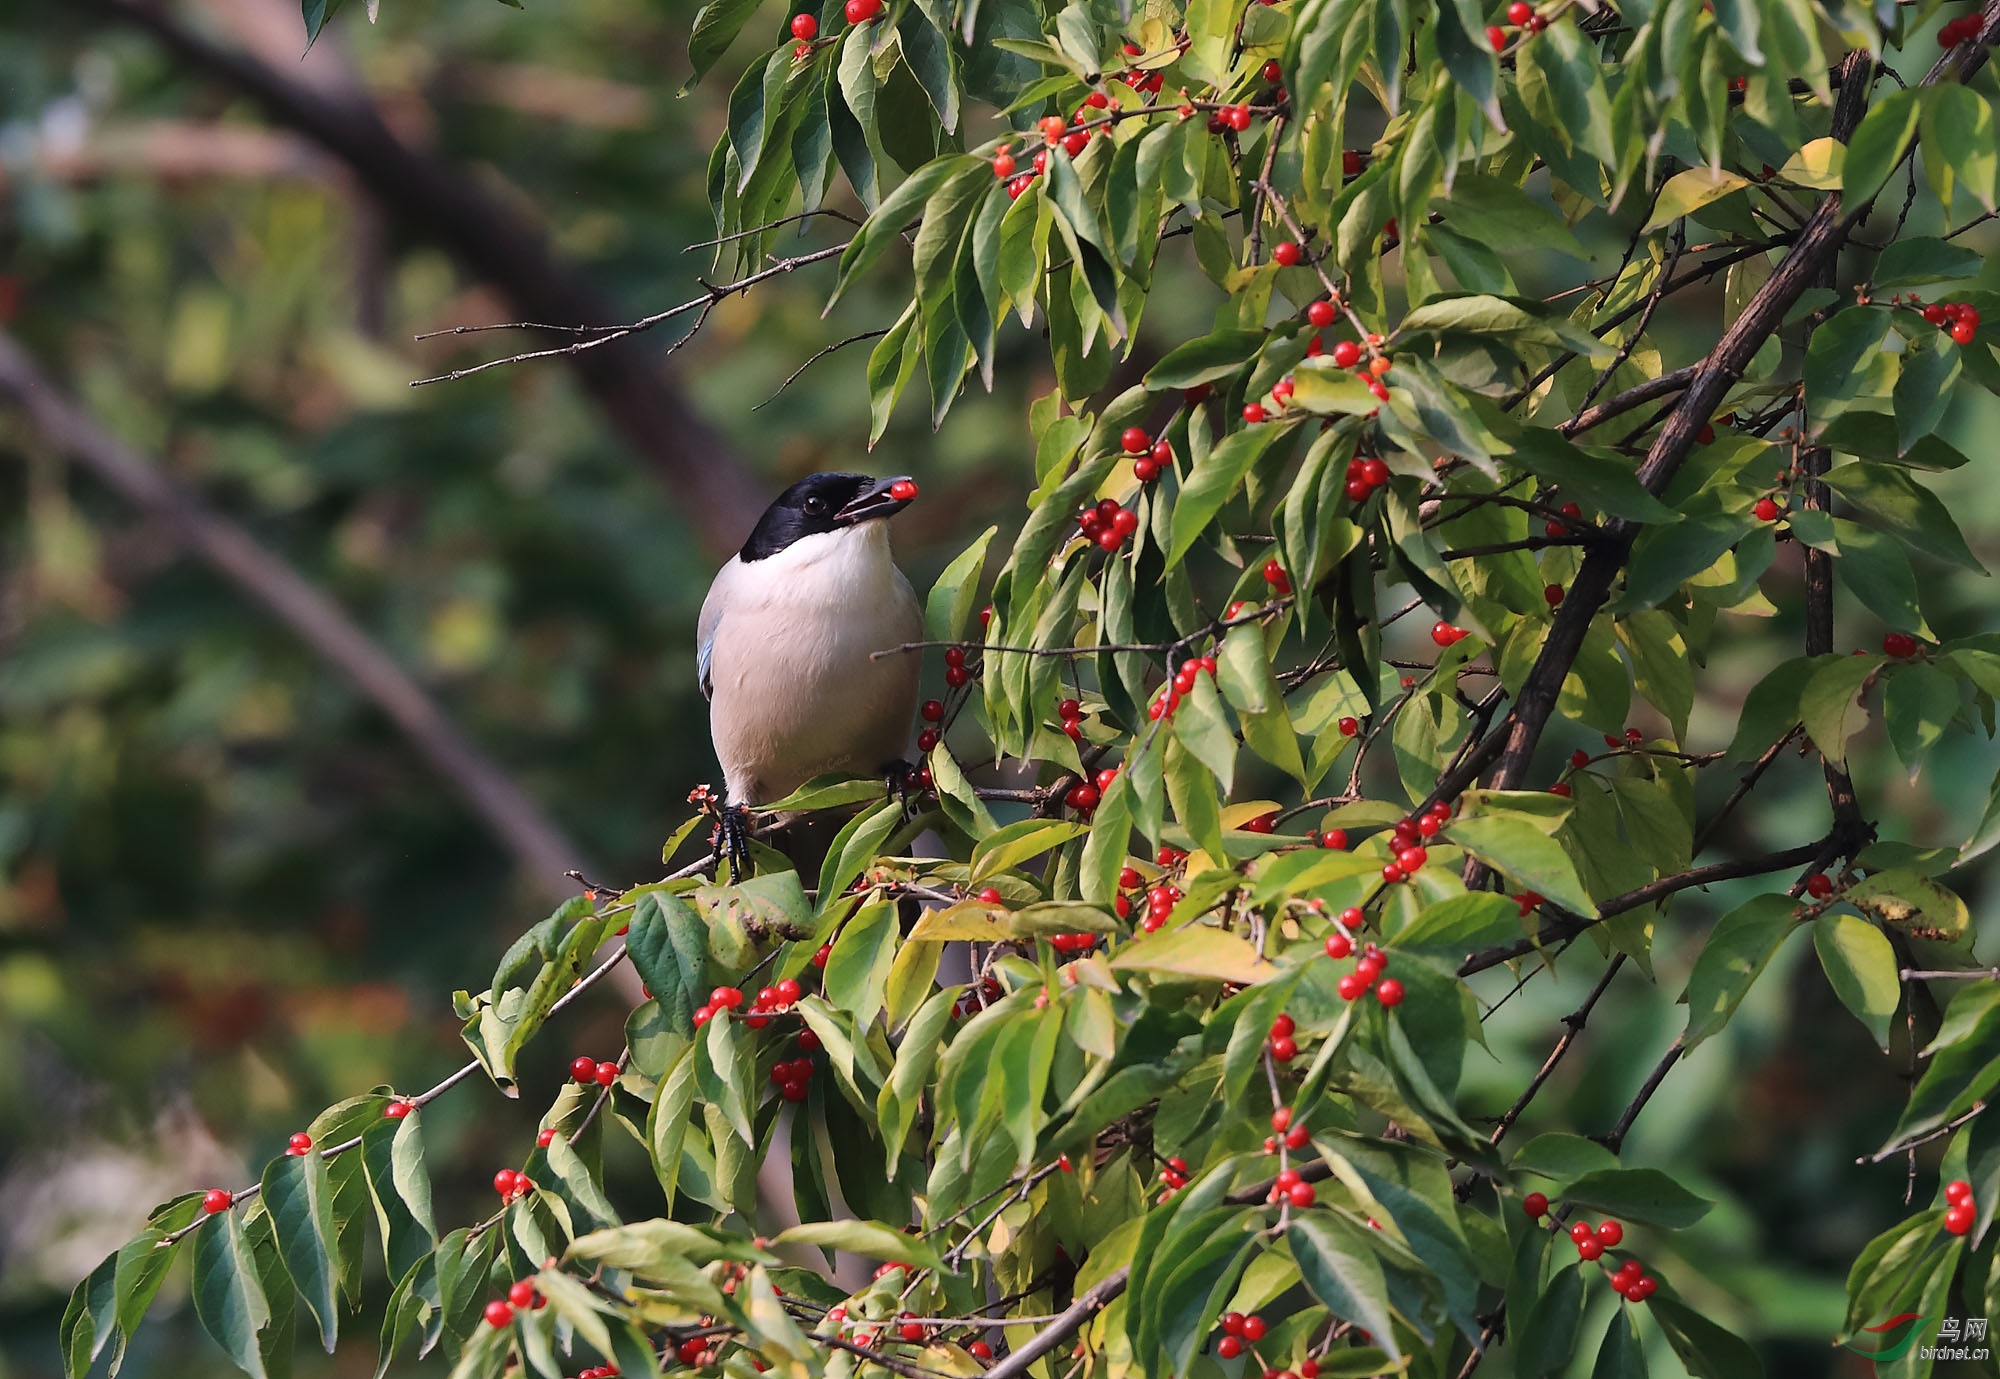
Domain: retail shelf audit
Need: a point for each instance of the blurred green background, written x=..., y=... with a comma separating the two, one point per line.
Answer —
x=231, y=892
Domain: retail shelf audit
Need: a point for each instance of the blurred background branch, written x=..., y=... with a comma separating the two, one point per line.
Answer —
x=538, y=845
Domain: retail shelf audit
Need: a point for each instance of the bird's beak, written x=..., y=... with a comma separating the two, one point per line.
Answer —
x=885, y=499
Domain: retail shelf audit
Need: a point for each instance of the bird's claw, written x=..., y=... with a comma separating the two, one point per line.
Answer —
x=732, y=838
x=904, y=780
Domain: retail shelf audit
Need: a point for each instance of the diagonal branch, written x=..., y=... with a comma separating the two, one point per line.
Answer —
x=536, y=842
x=496, y=243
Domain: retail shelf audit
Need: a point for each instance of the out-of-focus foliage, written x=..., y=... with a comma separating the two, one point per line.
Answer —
x=230, y=896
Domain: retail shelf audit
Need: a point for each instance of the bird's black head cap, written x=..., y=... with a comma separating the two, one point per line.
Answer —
x=822, y=503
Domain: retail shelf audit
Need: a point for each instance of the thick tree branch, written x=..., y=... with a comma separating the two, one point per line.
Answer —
x=539, y=846
x=1073, y=1319
x=497, y=244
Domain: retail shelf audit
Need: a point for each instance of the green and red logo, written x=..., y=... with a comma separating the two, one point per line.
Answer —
x=1897, y=1335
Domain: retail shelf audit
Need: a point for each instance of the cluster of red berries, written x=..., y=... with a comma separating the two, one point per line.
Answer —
x=1900, y=645
x=1295, y=1136
x=1173, y=1176
x=1275, y=576
x=1554, y=528
x=791, y=1076
x=1520, y=16
x=720, y=1000
x=1160, y=902
x=523, y=1297
x=1084, y=796
x=299, y=1145
x=1239, y=1331
x=1364, y=476
x=1226, y=117
x=1290, y=1188
x=1148, y=82
x=1171, y=693
x=1152, y=455
x=1280, y=1044
x=1070, y=713
x=805, y=28
x=1388, y=990
x=976, y=999
x=1072, y=943
x=773, y=1000
x=1445, y=634
x=1107, y=523
x=696, y=1352
x=1528, y=902
x=1962, y=1211
x=957, y=673
x=596, y=1371
x=1966, y=26
x=512, y=1186
x=585, y=1069
x=1340, y=943
x=931, y=712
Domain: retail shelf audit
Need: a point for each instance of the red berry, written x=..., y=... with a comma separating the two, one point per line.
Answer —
x=1253, y=412
x=1536, y=1204
x=1560, y=788
x=1136, y=441
x=980, y=1350
x=1346, y=354
x=217, y=1199
x=1960, y=1219
x=506, y=1181
x=498, y=1313
x=1444, y=634
x=1285, y=254
x=522, y=1294
x=927, y=740
x=1300, y=1194
x=1281, y=1119
x=607, y=1073
x=1229, y=1347
x=1766, y=510
x=1129, y=879
x=1284, y=1050
x=1963, y=332
x=1322, y=315
x=1073, y=143
x=1496, y=36
x=1589, y=1249
x=804, y=27
x=396, y=1110
x=1643, y=1289
x=911, y=1331
x=932, y=711
x=991, y=896
x=1389, y=992
x=300, y=1143
x=1298, y=1137
x=1957, y=1190
x=1898, y=644
x=809, y=1041
x=583, y=1068
x=725, y=998
x=1283, y=1025
x=861, y=11
x=1338, y=945
x=1351, y=986
x=1253, y=1329
x=1309, y=1369
x=545, y=1138
x=1238, y=118
x=820, y=957
x=1412, y=859
x=1609, y=1233
x=1819, y=885
x=1272, y=71
x=1519, y=12
x=1552, y=594
x=1003, y=164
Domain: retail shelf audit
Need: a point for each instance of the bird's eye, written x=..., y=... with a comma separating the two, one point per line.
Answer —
x=815, y=506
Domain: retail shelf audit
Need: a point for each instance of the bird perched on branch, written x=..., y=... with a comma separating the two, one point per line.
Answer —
x=784, y=645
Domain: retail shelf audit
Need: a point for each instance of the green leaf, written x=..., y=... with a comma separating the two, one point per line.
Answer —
x=1593, y=480
x=1339, y=1267
x=316, y=13
x=1196, y=952
x=1922, y=260
x=1704, y=1348
x=1877, y=147
x=870, y=1238
x=1687, y=192
x=228, y=1296
x=948, y=610
x=299, y=1197
x=1918, y=704
x=1549, y=1342
x=668, y=945
x=1959, y=142
x=1525, y=854
x=1742, y=943
x=533, y=975
x=1891, y=499
x=90, y=1319
x=1501, y=212
x=1860, y=964
x=1910, y=900
x=1621, y=1355
x=1645, y=1195
x=392, y=1153
x=1830, y=702
x=857, y=971
x=1214, y=480
x=1205, y=359
x=716, y=25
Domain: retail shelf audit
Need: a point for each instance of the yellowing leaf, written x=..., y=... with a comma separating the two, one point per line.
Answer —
x=1687, y=192
x=1197, y=952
